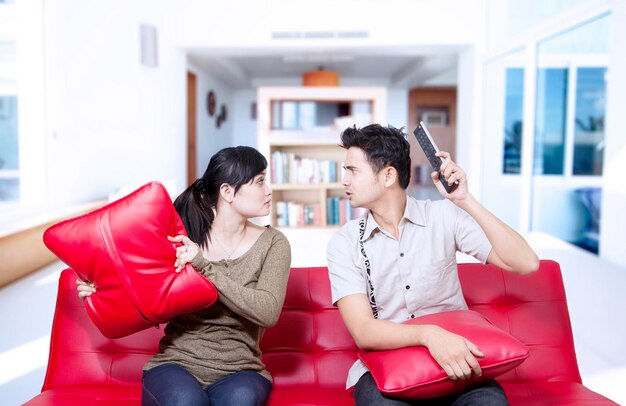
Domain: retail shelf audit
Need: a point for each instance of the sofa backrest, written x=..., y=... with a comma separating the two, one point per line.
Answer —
x=309, y=346
x=81, y=356
x=532, y=308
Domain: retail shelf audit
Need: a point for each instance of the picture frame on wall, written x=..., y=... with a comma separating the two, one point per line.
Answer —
x=433, y=116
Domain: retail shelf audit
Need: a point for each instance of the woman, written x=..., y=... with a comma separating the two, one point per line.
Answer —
x=212, y=356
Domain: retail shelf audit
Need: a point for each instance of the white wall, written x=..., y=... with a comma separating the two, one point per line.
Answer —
x=31, y=111
x=112, y=122
x=613, y=221
x=397, y=22
x=210, y=138
x=501, y=194
x=398, y=109
x=469, y=130
x=244, y=126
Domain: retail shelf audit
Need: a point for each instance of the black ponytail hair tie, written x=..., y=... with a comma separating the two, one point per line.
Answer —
x=199, y=185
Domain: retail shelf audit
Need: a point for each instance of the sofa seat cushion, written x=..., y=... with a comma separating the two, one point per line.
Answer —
x=552, y=393
x=310, y=397
x=89, y=395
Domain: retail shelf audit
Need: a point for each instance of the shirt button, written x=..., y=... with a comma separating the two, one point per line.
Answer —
x=412, y=316
x=407, y=287
x=402, y=254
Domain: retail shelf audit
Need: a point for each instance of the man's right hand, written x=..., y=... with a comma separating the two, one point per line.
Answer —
x=84, y=288
x=454, y=353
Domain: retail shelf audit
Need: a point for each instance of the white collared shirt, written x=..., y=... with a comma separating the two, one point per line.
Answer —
x=413, y=275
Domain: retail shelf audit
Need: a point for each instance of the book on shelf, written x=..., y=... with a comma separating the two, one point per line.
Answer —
x=339, y=211
x=289, y=168
x=294, y=214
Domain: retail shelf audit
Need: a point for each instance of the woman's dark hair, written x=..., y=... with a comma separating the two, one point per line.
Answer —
x=235, y=166
x=383, y=146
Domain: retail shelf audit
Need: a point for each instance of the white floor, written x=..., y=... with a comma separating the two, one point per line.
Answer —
x=594, y=287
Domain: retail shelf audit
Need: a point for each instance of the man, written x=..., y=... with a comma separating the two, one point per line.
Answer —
x=399, y=261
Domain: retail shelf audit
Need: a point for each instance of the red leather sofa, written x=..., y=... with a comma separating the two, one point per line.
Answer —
x=309, y=351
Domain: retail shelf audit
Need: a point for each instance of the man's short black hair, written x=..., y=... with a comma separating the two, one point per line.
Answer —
x=383, y=146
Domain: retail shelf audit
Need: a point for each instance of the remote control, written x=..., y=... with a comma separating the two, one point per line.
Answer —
x=430, y=149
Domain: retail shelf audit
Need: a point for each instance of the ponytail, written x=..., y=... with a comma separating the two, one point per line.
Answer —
x=195, y=210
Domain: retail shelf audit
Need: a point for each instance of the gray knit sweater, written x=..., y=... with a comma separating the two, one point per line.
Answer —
x=224, y=338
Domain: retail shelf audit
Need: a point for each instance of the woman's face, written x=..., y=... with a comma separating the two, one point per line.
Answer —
x=253, y=199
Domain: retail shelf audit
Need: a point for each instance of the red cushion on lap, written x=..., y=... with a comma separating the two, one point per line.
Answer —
x=123, y=248
x=412, y=373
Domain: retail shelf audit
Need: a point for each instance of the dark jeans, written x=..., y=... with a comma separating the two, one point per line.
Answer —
x=171, y=384
x=488, y=393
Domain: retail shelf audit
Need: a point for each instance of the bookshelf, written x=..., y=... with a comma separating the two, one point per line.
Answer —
x=298, y=131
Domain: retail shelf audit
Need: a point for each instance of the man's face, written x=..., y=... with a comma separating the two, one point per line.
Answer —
x=362, y=185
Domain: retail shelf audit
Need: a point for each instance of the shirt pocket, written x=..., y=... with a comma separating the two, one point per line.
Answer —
x=436, y=281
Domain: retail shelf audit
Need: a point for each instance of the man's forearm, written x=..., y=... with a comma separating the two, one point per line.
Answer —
x=379, y=334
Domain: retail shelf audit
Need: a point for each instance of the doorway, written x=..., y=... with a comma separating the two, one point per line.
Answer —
x=191, y=128
x=436, y=107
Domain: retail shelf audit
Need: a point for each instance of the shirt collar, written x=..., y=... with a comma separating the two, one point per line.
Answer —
x=413, y=212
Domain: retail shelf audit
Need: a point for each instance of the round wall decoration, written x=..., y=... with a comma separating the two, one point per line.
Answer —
x=211, y=102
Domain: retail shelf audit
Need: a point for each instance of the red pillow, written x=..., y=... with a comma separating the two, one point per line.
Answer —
x=412, y=373
x=123, y=248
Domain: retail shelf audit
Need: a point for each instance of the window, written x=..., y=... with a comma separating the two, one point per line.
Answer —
x=9, y=146
x=551, y=116
x=589, y=121
x=569, y=132
x=513, y=115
